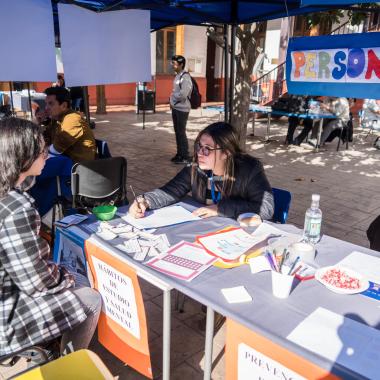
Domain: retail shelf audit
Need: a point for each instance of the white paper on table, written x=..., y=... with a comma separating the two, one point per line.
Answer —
x=184, y=260
x=368, y=266
x=70, y=220
x=236, y=294
x=266, y=229
x=259, y=264
x=165, y=216
x=354, y=345
x=231, y=244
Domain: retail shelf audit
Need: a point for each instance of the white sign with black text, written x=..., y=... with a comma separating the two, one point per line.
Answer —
x=253, y=365
x=119, y=301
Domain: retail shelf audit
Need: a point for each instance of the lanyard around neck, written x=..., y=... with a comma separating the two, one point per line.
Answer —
x=215, y=198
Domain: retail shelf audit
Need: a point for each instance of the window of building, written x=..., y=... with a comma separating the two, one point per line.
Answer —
x=300, y=26
x=374, y=22
x=165, y=49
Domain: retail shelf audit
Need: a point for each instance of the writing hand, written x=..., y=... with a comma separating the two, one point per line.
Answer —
x=206, y=212
x=137, y=209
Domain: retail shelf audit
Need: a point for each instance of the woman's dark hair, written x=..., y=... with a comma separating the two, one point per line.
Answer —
x=224, y=136
x=20, y=145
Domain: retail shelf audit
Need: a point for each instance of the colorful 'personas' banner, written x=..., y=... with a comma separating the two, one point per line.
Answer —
x=345, y=65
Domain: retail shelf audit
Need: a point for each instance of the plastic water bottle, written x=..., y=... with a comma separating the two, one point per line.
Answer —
x=313, y=221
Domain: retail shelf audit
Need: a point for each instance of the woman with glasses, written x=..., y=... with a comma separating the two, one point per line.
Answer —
x=40, y=300
x=222, y=178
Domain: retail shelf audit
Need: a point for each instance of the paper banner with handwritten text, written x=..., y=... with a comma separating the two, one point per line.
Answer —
x=250, y=356
x=122, y=324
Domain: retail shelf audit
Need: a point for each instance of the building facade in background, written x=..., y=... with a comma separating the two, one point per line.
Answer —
x=205, y=60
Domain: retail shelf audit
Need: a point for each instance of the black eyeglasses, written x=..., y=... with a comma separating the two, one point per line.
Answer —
x=204, y=150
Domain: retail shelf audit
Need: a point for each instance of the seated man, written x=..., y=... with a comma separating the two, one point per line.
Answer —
x=297, y=104
x=341, y=109
x=69, y=133
x=371, y=114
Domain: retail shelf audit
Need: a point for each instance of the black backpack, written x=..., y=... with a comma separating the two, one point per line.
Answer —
x=195, y=97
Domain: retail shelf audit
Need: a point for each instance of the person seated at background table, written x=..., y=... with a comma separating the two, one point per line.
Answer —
x=69, y=132
x=371, y=114
x=339, y=107
x=300, y=106
x=5, y=106
x=77, y=101
x=40, y=300
x=223, y=178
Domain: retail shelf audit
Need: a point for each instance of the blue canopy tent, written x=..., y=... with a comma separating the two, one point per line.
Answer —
x=333, y=2
x=196, y=12
x=205, y=12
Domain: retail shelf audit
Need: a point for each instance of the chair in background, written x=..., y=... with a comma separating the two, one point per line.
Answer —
x=82, y=364
x=346, y=133
x=102, y=149
x=282, y=199
x=99, y=182
x=368, y=119
x=54, y=182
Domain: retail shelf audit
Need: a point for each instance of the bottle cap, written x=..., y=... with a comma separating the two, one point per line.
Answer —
x=315, y=197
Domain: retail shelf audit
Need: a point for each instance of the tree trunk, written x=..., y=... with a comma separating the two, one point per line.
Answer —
x=247, y=34
x=101, y=101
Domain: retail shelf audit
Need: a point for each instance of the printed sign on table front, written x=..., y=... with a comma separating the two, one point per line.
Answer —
x=253, y=365
x=251, y=356
x=122, y=325
x=119, y=302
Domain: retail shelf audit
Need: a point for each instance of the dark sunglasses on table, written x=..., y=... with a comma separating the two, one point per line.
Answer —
x=204, y=150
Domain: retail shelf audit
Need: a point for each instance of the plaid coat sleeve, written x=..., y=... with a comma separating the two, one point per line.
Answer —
x=26, y=256
x=37, y=303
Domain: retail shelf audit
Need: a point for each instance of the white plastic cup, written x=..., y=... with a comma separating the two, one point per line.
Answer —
x=282, y=283
x=305, y=251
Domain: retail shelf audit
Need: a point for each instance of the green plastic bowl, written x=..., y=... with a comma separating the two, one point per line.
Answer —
x=104, y=212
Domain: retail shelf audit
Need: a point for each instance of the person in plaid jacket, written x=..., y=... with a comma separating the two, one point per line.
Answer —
x=39, y=299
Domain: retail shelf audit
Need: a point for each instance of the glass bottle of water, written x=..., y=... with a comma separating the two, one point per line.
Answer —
x=313, y=221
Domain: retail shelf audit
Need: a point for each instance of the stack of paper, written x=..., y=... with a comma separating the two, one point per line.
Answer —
x=237, y=294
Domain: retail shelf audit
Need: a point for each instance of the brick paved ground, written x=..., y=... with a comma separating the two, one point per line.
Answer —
x=348, y=182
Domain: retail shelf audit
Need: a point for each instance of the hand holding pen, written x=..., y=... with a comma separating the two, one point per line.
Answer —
x=138, y=207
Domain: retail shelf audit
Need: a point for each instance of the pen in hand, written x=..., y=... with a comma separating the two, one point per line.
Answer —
x=134, y=196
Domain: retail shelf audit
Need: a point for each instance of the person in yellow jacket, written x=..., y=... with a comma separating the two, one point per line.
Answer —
x=68, y=133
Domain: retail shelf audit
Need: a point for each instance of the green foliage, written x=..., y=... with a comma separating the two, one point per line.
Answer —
x=327, y=17
x=356, y=15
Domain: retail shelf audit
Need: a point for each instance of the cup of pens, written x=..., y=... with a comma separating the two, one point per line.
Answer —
x=282, y=276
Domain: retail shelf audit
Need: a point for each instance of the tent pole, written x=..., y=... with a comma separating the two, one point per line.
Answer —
x=11, y=93
x=30, y=102
x=143, y=103
x=225, y=37
x=232, y=71
x=86, y=104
